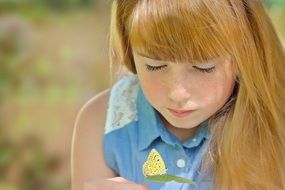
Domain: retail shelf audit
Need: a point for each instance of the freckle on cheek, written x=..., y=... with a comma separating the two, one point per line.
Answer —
x=154, y=92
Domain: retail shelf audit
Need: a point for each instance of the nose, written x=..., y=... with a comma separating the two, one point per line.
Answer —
x=179, y=94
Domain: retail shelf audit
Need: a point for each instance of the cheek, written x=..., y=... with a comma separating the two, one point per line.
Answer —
x=154, y=89
x=217, y=91
x=214, y=92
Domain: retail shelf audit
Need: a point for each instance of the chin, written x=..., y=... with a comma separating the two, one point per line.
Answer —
x=183, y=125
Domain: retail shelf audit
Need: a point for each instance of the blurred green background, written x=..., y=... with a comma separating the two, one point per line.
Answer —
x=53, y=58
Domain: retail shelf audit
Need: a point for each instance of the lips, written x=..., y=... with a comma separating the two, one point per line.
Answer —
x=180, y=113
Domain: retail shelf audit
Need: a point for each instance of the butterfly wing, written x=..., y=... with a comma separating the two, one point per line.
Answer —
x=147, y=169
x=154, y=164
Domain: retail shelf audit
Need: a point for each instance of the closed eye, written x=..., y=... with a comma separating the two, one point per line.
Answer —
x=204, y=70
x=155, y=68
x=198, y=68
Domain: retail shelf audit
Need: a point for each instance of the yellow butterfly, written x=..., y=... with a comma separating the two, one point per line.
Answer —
x=154, y=164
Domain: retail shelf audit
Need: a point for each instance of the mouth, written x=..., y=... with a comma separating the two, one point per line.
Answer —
x=180, y=113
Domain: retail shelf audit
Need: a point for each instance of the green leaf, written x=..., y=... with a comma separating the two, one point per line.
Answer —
x=167, y=177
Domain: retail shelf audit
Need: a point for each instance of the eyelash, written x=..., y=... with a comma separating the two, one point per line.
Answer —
x=206, y=70
x=152, y=68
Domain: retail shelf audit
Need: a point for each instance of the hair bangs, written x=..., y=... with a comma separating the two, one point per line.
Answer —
x=173, y=31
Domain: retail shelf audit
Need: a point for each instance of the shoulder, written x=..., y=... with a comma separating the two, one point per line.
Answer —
x=109, y=110
x=104, y=110
x=92, y=116
x=90, y=120
x=87, y=154
x=94, y=111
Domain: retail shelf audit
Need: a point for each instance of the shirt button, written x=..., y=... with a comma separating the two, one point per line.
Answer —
x=180, y=163
x=194, y=140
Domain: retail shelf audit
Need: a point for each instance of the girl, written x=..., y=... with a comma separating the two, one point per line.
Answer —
x=207, y=92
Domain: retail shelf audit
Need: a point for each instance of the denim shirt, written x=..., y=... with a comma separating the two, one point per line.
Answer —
x=133, y=128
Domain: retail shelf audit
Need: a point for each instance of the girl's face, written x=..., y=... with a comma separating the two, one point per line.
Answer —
x=185, y=94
